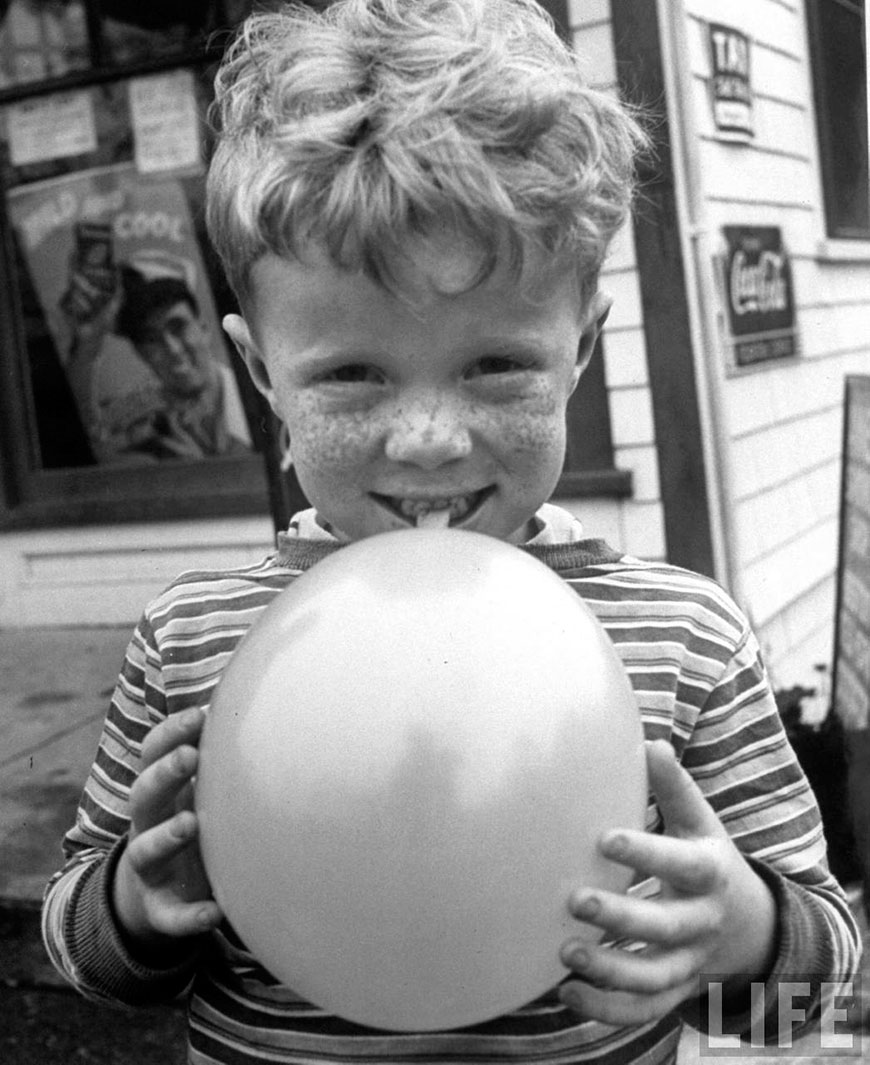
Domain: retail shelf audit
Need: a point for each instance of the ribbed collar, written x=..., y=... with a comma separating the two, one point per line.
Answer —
x=300, y=554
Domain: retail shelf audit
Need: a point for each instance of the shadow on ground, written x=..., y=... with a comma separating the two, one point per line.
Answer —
x=44, y=1022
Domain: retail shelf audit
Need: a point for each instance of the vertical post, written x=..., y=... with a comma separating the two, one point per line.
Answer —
x=664, y=296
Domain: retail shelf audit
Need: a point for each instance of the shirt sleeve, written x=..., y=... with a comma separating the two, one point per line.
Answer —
x=741, y=759
x=78, y=923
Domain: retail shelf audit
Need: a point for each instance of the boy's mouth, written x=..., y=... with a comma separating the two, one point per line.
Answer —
x=412, y=508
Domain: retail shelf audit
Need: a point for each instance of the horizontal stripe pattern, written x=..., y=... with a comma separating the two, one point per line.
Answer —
x=699, y=680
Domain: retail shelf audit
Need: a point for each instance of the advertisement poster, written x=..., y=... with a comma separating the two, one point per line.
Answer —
x=730, y=83
x=758, y=293
x=117, y=270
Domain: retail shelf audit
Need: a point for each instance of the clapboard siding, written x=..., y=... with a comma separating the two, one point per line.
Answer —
x=784, y=420
x=588, y=12
x=593, y=42
x=771, y=178
x=780, y=125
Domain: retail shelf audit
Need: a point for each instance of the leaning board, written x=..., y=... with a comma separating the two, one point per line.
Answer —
x=851, y=673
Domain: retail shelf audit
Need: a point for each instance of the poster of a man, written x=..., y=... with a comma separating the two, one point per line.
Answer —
x=118, y=272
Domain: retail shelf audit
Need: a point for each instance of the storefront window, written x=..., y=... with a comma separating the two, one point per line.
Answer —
x=44, y=39
x=112, y=298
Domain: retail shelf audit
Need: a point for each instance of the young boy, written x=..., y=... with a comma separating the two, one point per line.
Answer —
x=412, y=199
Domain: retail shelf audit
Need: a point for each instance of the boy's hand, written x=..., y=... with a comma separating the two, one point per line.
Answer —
x=160, y=890
x=715, y=915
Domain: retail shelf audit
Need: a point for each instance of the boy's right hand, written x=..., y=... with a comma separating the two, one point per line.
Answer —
x=160, y=891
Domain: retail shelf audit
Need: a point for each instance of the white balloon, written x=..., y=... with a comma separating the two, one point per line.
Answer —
x=404, y=773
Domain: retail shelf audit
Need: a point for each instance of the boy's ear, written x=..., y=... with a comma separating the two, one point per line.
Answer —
x=594, y=318
x=237, y=330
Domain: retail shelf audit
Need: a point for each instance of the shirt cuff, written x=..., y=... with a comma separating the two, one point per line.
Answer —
x=105, y=965
x=802, y=954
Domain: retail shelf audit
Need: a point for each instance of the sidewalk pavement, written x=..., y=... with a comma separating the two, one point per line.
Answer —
x=55, y=686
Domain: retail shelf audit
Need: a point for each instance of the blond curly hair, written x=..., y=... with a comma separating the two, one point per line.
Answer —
x=374, y=122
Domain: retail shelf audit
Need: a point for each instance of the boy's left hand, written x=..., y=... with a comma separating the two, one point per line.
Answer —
x=715, y=914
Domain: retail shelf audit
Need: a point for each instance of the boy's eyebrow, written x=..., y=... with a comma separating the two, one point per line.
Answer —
x=314, y=357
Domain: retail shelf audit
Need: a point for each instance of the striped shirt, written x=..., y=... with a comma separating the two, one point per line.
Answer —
x=697, y=674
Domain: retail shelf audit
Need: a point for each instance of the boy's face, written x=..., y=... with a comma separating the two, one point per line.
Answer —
x=452, y=402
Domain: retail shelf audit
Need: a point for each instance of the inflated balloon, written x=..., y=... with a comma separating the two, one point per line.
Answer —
x=404, y=773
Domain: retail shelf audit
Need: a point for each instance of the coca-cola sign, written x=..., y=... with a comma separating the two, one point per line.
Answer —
x=759, y=294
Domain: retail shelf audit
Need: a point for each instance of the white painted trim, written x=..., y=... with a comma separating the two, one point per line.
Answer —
x=843, y=251
x=104, y=575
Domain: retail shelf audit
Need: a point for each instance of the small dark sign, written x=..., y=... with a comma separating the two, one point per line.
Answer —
x=851, y=674
x=759, y=296
x=730, y=84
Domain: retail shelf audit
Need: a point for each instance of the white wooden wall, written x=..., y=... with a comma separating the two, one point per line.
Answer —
x=105, y=575
x=784, y=420
x=634, y=525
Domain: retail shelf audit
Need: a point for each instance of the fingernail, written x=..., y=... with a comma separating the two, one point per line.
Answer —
x=183, y=826
x=587, y=908
x=181, y=761
x=579, y=959
x=615, y=846
x=570, y=997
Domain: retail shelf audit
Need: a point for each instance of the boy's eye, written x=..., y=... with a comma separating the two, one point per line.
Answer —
x=496, y=364
x=353, y=373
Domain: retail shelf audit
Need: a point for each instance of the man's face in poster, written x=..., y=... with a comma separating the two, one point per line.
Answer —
x=175, y=344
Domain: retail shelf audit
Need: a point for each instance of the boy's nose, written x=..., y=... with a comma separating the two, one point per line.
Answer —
x=428, y=432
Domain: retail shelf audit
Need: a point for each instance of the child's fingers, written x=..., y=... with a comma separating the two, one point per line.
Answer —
x=622, y=1007
x=157, y=788
x=169, y=917
x=683, y=807
x=176, y=731
x=665, y=921
x=647, y=973
x=181, y=920
x=689, y=865
x=150, y=852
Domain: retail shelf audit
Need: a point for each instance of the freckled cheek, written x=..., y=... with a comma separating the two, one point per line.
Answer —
x=535, y=434
x=326, y=444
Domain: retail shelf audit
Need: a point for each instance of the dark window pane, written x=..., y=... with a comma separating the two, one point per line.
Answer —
x=42, y=39
x=135, y=32
x=840, y=74
x=588, y=442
